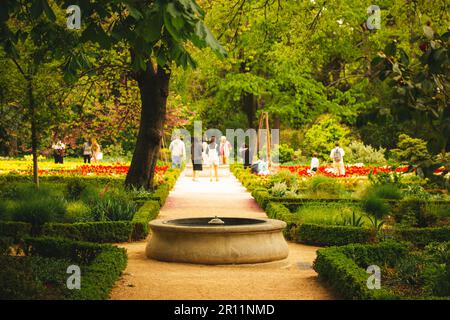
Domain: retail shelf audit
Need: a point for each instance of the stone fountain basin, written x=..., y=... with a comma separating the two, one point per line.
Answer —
x=238, y=241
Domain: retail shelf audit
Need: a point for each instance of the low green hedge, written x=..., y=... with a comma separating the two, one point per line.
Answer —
x=147, y=212
x=344, y=268
x=91, y=179
x=278, y=211
x=423, y=236
x=14, y=229
x=262, y=197
x=331, y=235
x=104, y=263
x=104, y=231
x=162, y=192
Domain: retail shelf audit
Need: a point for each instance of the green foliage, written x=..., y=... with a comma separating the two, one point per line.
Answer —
x=420, y=213
x=279, y=211
x=322, y=136
x=375, y=206
x=262, y=197
x=101, y=232
x=327, y=213
x=284, y=176
x=15, y=230
x=37, y=278
x=77, y=211
x=285, y=153
x=74, y=189
x=386, y=191
x=343, y=268
x=322, y=186
x=358, y=152
x=279, y=189
x=329, y=235
x=38, y=206
x=423, y=236
x=386, y=178
x=353, y=221
x=101, y=266
x=140, y=221
x=437, y=275
x=113, y=205
x=411, y=150
x=418, y=84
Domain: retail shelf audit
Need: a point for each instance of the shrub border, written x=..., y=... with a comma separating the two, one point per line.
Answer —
x=105, y=265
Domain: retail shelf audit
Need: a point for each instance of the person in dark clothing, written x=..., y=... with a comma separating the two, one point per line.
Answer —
x=196, y=156
x=245, y=155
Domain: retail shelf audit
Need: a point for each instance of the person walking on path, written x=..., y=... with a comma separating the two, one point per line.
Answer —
x=177, y=151
x=224, y=150
x=95, y=149
x=58, y=151
x=337, y=155
x=314, y=164
x=87, y=151
x=196, y=156
x=213, y=158
x=204, y=152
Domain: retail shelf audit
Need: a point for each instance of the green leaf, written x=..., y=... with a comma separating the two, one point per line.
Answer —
x=37, y=8
x=48, y=11
x=391, y=49
x=404, y=59
x=150, y=28
x=169, y=27
x=135, y=13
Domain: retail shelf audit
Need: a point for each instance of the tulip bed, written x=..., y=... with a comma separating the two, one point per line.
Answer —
x=70, y=167
x=352, y=170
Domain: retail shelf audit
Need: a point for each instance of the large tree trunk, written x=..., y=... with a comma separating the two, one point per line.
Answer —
x=34, y=138
x=250, y=106
x=153, y=85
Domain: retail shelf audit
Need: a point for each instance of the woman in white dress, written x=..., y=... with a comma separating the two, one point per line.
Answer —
x=213, y=158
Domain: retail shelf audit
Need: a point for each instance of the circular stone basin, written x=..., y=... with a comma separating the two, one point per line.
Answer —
x=223, y=241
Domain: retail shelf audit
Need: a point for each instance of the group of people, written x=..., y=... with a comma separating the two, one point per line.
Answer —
x=336, y=155
x=209, y=152
x=91, y=151
x=206, y=152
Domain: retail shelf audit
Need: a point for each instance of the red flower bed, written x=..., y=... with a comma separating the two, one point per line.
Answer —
x=349, y=170
x=97, y=169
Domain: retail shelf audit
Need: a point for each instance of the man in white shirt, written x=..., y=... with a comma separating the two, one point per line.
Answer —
x=178, y=152
x=337, y=155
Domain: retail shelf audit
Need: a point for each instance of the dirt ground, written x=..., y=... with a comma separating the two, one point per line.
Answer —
x=292, y=278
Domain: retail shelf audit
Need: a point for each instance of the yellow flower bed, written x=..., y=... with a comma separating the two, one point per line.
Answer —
x=11, y=166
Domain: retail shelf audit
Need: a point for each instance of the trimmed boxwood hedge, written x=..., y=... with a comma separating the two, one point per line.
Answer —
x=278, y=211
x=423, y=236
x=330, y=235
x=147, y=212
x=104, y=231
x=101, y=231
x=344, y=268
x=92, y=179
x=104, y=263
x=14, y=229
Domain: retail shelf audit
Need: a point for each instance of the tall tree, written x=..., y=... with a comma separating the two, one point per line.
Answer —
x=155, y=33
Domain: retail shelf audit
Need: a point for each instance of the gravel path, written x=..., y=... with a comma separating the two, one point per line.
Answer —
x=143, y=278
